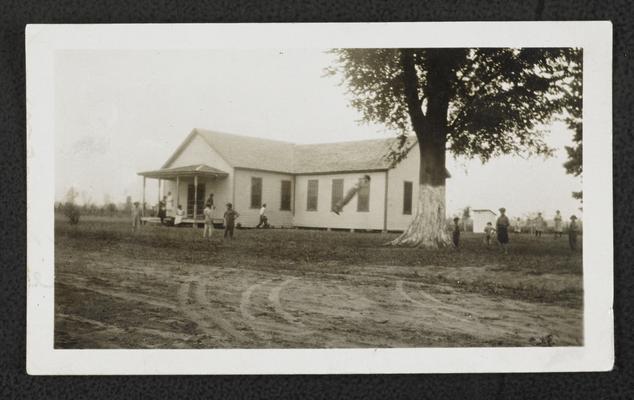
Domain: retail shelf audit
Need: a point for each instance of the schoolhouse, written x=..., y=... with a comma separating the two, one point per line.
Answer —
x=299, y=183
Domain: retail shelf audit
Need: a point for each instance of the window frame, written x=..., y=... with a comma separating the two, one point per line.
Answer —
x=333, y=200
x=290, y=195
x=261, y=185
x=365, y=186
x=316, y=195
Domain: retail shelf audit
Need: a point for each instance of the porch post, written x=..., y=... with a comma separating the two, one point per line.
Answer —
x=143, y=205
x=159, y=190
x=195, y=200
x=177, y=190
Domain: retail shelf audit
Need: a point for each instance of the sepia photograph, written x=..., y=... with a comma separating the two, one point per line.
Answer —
x=320, y=197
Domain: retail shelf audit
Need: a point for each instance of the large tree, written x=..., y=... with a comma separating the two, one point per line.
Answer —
x=473, y=102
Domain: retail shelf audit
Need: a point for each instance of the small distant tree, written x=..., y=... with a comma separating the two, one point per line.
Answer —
x=466, y=215
x=71, y=210
x=111, y=209
x=128, y=204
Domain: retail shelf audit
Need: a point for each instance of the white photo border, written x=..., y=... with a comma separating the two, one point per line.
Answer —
x=597, y=353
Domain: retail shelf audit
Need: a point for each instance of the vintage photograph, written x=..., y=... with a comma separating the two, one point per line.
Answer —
x=318, y=198
x=339, y=198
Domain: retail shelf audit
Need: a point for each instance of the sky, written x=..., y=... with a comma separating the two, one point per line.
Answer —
x=121, y=112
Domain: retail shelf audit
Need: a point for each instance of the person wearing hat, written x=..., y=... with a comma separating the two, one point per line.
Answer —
x=502, y=228
x=573, y=229
x=136, y=216
x=456, y=232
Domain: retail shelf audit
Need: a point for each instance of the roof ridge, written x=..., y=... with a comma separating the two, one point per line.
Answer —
x=199, y=130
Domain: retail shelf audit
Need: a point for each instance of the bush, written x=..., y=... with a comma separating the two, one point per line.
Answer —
x=72, y=212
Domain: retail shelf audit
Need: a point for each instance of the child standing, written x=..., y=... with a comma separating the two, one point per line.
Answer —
x=209, y=221
x=136, y=216
x=558, y=225
x=502, y=228
x=456, y=232
x=539, y=225
x=488, y=233
x=230, y=220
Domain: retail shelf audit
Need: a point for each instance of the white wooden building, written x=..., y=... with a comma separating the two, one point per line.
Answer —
x=481, y=217
x=299, y=183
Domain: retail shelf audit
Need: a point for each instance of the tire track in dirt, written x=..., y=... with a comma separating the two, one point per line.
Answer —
x=365, y=301
x=266, y=328
x=192, y=312
x=121, y=295
x=104, y=327
x=401, y=290
x=274, y=298
x=201, y=298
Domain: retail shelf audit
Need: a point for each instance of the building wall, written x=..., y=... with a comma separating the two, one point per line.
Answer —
x=350, y=218
x=406, y=170
x=271, y=195
x=199, y=152
x=480, y=219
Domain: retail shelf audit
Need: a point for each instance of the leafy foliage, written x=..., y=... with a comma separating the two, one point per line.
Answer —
x=71, y=211
x=497, y=97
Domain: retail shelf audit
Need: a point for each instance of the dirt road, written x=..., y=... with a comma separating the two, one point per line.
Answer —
x=122, y=302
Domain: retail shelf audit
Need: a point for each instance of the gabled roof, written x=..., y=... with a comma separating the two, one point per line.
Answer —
x=273, y=155
x=251, y=152
x=360, y=155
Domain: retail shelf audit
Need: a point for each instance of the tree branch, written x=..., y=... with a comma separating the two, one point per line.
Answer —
x=410, y=87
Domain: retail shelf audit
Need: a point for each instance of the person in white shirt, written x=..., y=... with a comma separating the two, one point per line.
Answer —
x=209, y=221
x=180, y=213
x=262, y=216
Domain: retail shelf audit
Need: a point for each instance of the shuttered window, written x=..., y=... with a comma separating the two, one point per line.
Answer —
x=337, y=192
x=312, y=193
x=256, y=192
x=407, y=198
x=285, y=203
x=363, y=196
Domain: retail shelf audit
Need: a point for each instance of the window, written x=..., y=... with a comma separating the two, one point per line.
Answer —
x=285, y=203
x=313, y=189
x=407, y=198
x=363, y=195
x=337, y=192
x=256, y=192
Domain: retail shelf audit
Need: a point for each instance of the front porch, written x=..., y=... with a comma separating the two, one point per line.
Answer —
x=192, y=185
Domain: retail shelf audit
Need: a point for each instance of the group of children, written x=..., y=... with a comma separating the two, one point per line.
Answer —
x=230, y=216
x=502, y=226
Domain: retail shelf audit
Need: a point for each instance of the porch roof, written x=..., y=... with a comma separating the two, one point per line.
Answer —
x=187, y=171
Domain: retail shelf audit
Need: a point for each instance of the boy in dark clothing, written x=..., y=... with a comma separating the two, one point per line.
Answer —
x=230, y=220
x=456, y=232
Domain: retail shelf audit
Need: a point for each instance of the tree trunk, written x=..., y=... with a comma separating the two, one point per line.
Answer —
x=428, y=228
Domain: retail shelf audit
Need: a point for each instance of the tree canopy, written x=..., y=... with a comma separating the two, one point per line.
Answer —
x=497, y=97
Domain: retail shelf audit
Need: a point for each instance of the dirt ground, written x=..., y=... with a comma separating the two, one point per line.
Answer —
x=168, y=288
